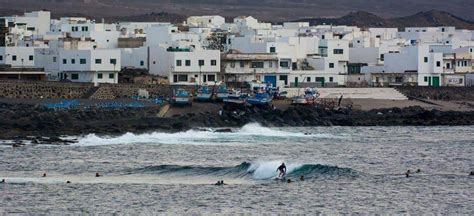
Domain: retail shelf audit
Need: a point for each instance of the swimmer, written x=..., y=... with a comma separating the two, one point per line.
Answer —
x=301, y=178
x=289, y=181
x=472, y=173
x=68, y=182
x=3, y=181
x=44, y=175
x=98, y=175
x=418, y=171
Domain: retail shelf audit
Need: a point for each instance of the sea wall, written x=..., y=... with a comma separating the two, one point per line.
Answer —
x=439, y=93
x=43, y=89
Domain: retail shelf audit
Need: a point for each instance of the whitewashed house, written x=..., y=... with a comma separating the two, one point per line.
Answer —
x=185, y=65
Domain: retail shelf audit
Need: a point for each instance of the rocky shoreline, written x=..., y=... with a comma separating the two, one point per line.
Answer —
x=20, y=122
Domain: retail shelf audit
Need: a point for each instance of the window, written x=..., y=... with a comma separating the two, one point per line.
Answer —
x=14, y=58
x=74, y=76
x=82, y=61
x=331, y=65
x=201, y=62
x=98, y=61
x=213, y=62
x=323, y=37
x=85, y=28
x=175, y=78
x=270, y=64
x=272, y=49
x=188, y=62
x=382, y=57
x=182, y=78
x=284, y=64
x=31, y=58
x=232, y=64
x=113, y=61
x=73, y=61
x=99, y=76
x=425, y=79
x=438, y=64
x=257, y=64
x=308, y=79
x=54, y=59
x=242, y=64
x=1, y=58
x=426, y=59
x=331, y=79
x=142, y=63
x=64, y=61
x=338, y=51
x=178, y=63
x=211, y=78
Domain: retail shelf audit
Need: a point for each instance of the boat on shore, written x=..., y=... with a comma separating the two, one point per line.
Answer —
x=309, y=97
x=222, y=92
x=234, y=100
x=204, y=94
x=260, y=100
x=181, y=98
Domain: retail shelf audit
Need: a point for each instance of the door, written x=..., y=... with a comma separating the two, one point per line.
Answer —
x=436, y=81
x=271, y=79
x=320, y=80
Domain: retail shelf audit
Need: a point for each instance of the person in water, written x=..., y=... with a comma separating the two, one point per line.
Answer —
x=282, y=169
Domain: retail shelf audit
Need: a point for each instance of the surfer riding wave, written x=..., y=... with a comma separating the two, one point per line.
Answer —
x=282, y=170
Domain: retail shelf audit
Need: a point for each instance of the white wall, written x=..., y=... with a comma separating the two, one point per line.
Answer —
x=134, y=57
x=18, y=56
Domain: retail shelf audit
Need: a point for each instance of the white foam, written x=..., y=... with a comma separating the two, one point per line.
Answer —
x=268, y=169
x=249, y=134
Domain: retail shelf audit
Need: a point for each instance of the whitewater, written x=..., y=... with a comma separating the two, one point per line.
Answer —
x=346, y=170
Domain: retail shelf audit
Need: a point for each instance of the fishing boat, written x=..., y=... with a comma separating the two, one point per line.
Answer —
x=181, y=98
x=310, y=96
x=204, y=93
x=260, y=100
x=234, y=100
x=222, y=92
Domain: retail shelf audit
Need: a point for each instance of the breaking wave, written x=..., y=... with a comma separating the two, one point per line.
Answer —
x=250, y=133
x=255, y=171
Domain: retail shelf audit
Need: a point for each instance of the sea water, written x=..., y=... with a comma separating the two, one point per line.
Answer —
x=346, y=170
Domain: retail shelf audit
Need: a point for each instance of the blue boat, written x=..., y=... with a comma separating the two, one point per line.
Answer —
x=260, y=100
x=222, y=92
x=181, y=98
x=204, y=93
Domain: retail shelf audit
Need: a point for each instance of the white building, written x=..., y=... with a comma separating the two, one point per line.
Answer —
x=205, y=21
x=185, y=66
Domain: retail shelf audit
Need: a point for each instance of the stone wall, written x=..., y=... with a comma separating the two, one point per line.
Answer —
x=42, y=89
x=439, y=93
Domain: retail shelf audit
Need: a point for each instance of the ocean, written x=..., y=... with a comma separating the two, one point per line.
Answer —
x=346, y=170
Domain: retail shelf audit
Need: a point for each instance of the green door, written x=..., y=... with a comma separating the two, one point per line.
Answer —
x=436, y=81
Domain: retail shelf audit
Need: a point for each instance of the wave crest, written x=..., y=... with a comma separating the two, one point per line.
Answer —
x=255, y=171
x=249, y=134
